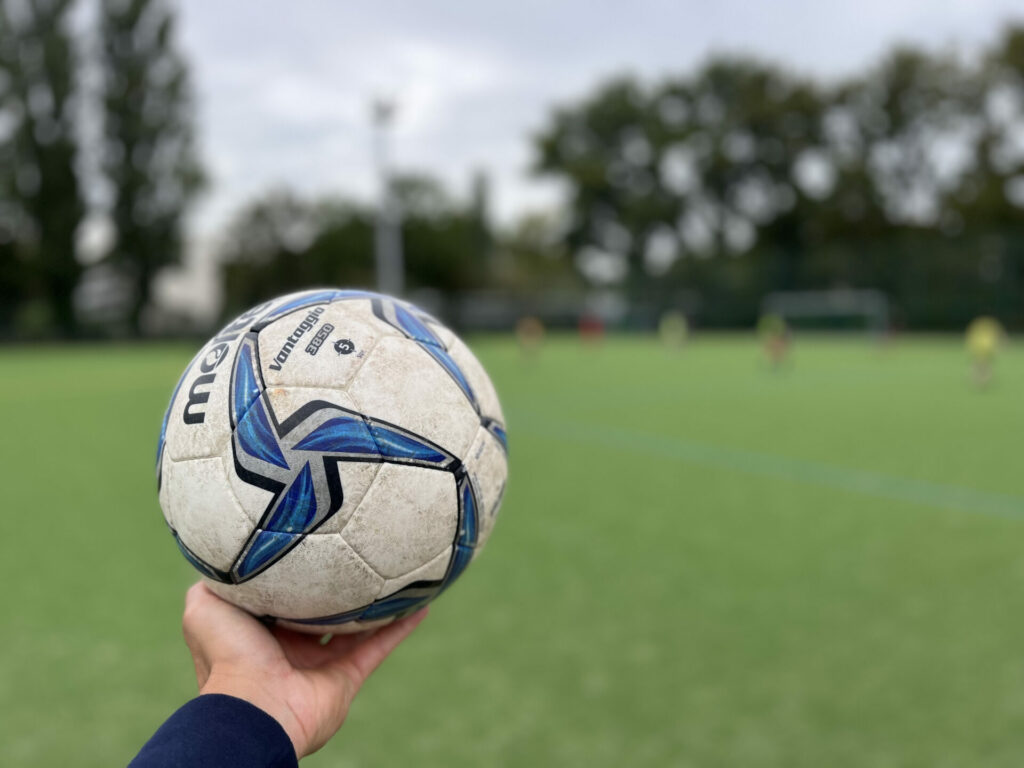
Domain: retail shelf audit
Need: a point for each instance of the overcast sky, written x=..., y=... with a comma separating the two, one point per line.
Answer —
x=284, y=87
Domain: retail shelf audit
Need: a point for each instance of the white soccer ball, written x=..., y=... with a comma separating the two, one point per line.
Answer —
x=332, y=460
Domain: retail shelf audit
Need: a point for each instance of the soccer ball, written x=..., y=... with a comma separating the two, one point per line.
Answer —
x=332, y=460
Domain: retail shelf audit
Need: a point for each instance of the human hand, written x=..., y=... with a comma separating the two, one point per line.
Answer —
x=304, y=685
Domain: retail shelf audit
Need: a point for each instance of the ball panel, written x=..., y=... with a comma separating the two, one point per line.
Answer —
x=285, y=401
x=355, y=476
x=483, y=388
x=202, y=509
x=198, y=425
x=487, y=466
x=251, y=499
x=406, y=519
x=432, y=571
x=402, y=384
x=361, y=309
x=335, y=452
x=162, y=442
x=330, y=423
x=443, y=334
x=356, y=479
x=197, y=421
x=321, y=576
x=162, y=493
x=322, y=346
x=291, y=303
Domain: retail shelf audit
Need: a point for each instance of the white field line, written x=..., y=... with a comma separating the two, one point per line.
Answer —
x=891, y=487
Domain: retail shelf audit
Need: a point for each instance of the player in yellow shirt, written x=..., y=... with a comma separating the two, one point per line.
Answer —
x=674, y=329
x=984, y=337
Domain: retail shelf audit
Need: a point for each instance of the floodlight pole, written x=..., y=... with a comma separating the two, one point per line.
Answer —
x=388, y=232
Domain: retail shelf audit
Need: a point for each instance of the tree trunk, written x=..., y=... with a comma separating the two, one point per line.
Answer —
x=62, y=304
x=142, y=293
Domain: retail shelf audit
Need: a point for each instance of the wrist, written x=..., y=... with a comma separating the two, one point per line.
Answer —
x=260, y=694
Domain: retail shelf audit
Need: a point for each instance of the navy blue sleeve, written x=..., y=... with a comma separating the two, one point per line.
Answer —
x=217, y=731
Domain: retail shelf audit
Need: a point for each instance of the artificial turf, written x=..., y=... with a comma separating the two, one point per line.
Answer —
x=699, y=562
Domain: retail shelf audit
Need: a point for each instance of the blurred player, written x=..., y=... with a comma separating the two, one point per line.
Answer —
x=591, y=328
x=774, y=335
x=529, y=335
x=673, y=329
x=984, y=336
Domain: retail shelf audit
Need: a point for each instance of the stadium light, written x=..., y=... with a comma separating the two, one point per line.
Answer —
x=388, y=233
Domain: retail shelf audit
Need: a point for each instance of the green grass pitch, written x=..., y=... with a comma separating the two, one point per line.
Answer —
x=699, y=562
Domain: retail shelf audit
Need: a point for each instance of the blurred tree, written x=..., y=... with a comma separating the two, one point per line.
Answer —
x=446, y=241
x=10, y=282
x=41, y=203
x=908, y=177
x=283, y=243
x=694, y=167
x=532, y=253
x=928, y=203
x=986, y=210
x=148, y=154
x=12, y=270
x=720, y=185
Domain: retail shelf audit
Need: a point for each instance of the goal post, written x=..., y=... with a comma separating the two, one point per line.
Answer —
x=833, y=310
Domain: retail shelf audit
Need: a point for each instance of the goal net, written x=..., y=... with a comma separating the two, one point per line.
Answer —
x=833, y=310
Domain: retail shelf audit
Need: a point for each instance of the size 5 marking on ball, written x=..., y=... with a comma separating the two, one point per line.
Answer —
x=344, y=347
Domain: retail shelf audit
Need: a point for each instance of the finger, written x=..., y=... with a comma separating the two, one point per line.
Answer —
x=193, y=599
x=365, y=657
x=217, y=630
x=200, y=601
x=201, y=605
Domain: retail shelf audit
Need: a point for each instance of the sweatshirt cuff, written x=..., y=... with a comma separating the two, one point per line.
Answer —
x=218, y=731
